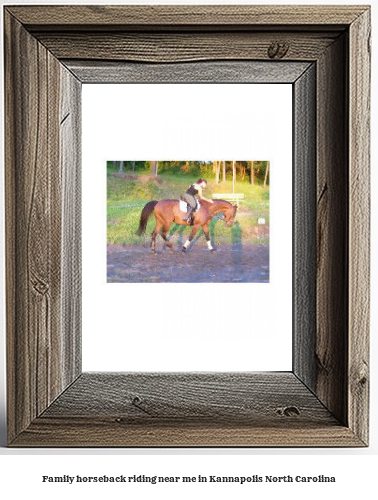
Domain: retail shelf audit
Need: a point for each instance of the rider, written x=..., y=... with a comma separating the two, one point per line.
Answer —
x=190, y=194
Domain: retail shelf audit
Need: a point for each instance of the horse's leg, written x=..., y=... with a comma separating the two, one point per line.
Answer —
x=153, y=240
x=165, y=237
x=205, y=228
x=190, y=239
x=155, y=232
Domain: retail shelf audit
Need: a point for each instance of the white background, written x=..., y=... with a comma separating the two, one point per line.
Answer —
x=151, y=327
x=355, y=469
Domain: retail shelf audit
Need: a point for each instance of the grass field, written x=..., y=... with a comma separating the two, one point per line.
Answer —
x=128, y=193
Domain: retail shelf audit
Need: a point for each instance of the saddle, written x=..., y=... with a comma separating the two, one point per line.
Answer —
x=184, y=206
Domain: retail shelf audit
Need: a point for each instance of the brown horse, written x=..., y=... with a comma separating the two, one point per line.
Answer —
x=168, y=211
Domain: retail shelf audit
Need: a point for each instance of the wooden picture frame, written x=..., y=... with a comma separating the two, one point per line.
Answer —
x=49, y=52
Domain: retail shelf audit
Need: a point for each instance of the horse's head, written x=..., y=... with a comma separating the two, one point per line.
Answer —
x=229, y=214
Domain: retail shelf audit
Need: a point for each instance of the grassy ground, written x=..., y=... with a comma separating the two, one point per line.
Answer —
x=128, y=194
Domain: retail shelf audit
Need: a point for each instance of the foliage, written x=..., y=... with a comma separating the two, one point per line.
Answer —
x=259, y=171
x=140, y=166
x=196, y=168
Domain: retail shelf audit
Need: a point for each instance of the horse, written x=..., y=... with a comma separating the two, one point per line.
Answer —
x=168, y=211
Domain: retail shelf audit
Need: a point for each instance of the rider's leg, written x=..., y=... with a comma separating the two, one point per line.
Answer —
x=191, y=205
x=189, y=212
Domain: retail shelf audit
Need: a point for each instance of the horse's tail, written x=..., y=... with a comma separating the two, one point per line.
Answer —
x=146, y=212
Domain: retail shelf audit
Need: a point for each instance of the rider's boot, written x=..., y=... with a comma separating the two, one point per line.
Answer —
x=188, y=216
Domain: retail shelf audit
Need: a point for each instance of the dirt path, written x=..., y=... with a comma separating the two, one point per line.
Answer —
x=230, y=263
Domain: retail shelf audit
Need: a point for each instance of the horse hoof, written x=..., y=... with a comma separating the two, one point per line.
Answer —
x=212, y=250
x=183, y=249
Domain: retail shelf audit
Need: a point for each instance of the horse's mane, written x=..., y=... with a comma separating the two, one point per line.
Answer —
x=223, y=201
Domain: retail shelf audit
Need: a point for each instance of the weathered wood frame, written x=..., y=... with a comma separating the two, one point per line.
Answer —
x=49, y=52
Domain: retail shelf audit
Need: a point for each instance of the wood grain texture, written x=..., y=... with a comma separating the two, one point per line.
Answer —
x=31, y=309
x=359, y=226
x=242, y=397
x=70, y=144
x=33, y=227
x=184, y=16
x=199, y=72
x=304, y=227
x=100, y=432
x=324, y=401
x=331, y=350
x=180, y=47
x=189, y=410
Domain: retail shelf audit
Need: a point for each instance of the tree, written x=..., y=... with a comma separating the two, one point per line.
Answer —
x=120, y=167
x=252, y=173
x=223, y=171
x=266, y=173
x=154, y=167
x=242, y=168
x=216, y=169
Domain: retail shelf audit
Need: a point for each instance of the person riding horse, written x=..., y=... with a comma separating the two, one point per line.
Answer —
x=168, y=212
x=190, y=197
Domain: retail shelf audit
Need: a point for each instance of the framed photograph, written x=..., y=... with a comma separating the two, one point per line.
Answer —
x=235, y=254
x=263, y=108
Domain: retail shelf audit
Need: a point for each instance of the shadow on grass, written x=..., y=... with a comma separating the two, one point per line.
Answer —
x=180, y=230
x=237, y=248
x=236, y=232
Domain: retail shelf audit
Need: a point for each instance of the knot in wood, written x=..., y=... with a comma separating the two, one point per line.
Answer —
x=141, y=405
x=138, y=403
x=361, y=375
x=288, y=411
x=136, y=400
x=278, y=50
x=41, y=287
